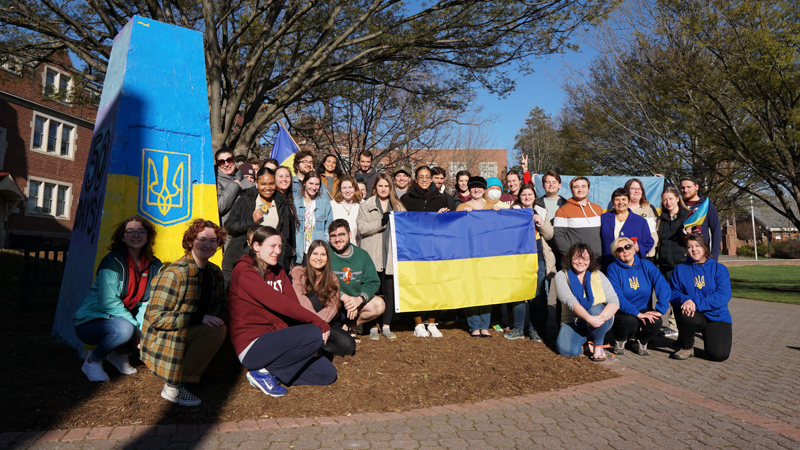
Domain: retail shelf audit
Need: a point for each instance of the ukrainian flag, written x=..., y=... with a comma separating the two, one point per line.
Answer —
x=284, y=149
x=460, y=259
x=698, y=216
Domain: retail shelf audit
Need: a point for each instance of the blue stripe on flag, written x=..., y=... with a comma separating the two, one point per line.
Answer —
x=461, y=235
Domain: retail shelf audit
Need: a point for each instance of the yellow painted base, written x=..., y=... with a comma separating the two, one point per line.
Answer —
x=122, y=194
x=437, y=285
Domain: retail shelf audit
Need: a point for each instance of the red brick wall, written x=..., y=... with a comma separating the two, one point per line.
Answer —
x=22, y=163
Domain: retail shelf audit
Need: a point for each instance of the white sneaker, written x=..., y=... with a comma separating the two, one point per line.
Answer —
x=180, y=396
x=420, y=331
x=121, y=363
x=94, y=370
x=433, y=330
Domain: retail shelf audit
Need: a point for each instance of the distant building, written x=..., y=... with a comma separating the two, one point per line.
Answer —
x=46, y=121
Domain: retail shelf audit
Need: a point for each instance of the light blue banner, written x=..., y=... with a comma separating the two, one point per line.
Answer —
x=601, y=188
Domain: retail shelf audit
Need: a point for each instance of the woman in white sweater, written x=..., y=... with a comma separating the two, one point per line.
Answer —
x=346, y=199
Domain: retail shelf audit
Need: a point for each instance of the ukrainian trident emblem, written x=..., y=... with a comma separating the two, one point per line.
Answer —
x=166, y=193
x=634, y=282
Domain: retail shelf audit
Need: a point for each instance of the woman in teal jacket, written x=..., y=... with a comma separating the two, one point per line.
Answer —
x=701, y=290
x=111, y=316
x=314, y=214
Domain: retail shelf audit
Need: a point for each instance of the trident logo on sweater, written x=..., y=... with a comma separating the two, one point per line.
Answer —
x=634, y=283
x=700, y=281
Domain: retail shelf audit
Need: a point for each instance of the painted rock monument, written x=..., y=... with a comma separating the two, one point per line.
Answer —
x=151, y=154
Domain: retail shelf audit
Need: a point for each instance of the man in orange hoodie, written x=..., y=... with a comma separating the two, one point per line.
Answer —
x=578, y=220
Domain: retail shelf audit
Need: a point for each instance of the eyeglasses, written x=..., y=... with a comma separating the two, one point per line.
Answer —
x=626, y=247
x=204, y=241
x=307, y=161
x=339, y=236
x=137, y=232
x=635, y=189
x=580, y=258
x=225, y=162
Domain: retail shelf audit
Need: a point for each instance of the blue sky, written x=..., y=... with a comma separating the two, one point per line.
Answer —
x=542, y=89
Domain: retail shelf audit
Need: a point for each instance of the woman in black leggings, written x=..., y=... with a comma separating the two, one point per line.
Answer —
x=317, y=290
x=701, y=290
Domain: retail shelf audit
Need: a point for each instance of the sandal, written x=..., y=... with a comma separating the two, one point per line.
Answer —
x=588, y=347
x=596, y=358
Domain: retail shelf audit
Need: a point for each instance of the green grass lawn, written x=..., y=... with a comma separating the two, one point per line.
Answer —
x=779, y=284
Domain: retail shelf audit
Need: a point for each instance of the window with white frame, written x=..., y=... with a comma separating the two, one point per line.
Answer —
x=49, y=198
x=456, y=167
x=53, y=136
x=13, y=66
x=57, y=84
x=488, y=169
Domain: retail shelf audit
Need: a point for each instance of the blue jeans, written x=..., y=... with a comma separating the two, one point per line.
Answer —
x=572, y=336
x=106, y=334
x=537, y=308
x=520, y=310
x=479, y=318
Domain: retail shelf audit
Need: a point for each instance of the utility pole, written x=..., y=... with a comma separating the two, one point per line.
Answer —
x=753, y=219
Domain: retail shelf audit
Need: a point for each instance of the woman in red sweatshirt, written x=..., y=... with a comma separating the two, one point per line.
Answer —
x=261, y=301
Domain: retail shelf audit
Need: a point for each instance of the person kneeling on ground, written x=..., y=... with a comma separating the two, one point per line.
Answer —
x=262, y=301
x=590, y=300
x=634, y=279
x=112, y=314
x=317, y=289
x=701, y=290
x=184, y=324
x=358, y=279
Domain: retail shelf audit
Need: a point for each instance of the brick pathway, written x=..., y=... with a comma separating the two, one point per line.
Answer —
x=750, y=401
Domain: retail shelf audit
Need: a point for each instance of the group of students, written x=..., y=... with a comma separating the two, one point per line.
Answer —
x=308, y=260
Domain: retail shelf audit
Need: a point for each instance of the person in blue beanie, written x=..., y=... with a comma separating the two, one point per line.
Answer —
x=701, y=290
x=634, y=280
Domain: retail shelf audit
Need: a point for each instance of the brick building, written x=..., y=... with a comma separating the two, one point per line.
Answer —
x=46, y=121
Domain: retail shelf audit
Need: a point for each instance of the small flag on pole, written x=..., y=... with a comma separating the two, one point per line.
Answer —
x=284, y=148
x=698, y=216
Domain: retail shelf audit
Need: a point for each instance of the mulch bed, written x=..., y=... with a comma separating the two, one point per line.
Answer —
x=44, y=388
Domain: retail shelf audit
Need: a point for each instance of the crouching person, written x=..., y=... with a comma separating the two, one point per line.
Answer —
x=184, y=325
x=277, y=339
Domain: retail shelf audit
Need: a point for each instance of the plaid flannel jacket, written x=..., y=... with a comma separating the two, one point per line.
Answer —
x=174, y=297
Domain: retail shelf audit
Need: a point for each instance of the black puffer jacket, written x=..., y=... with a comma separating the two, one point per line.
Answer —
x=413, y=200
x=672, y=240
x=240, y=220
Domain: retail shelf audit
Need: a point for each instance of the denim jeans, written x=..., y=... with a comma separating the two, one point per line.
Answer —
x=479, y=318
x=537, y=307
x=106, y=334
x=520, y=310
x=572, y=336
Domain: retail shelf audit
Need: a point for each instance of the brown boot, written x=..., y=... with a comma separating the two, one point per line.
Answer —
x=683, y=354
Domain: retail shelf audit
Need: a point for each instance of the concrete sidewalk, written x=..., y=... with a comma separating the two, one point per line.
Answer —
x=750, y=401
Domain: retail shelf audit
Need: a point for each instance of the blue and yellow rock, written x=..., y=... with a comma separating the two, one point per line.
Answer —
x=151, y=153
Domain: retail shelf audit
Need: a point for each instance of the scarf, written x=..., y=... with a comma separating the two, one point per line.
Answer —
x=424, y=193
x=592, y=287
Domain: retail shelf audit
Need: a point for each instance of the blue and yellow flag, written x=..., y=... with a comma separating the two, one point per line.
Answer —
x=460, y=259
x=284, y=148
x=698, y=216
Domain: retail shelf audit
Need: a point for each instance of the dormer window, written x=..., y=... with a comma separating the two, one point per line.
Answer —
x=57, y=84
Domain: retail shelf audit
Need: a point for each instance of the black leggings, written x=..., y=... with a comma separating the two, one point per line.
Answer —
x=717, y=336
x=387, y=290
x=340, y=343
x=626, y=327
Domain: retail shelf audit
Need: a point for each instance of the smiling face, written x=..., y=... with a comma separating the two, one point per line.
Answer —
x=318, y=259
x=340, y=240
x=635, y=191
x=580, y=190
x=305, y=165
x=689, y=191
x=283, y=179
x=476, y=192
x=135, y=236
x=670, y=202
x=580, y=262
x=226, y=163
x=270, y=250
x=625, y=251
x=513, y=183
x=620, y=203
x=438, y=180
x=382, y=189
x=527, y=197
x=204, y=245
x=364, y=162
x=551, y=185
x=696, y=251
x=348, y=191
x=312, y=187
x=463, y=183
x=266, y=187
x=424, y=179
x=330, y=164
x=401, y=180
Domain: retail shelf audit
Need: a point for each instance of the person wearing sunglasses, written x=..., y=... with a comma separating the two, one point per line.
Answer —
x=622, y=222
x=230, y=182
x=184, y=324
x=590, y=301
x=635, y=279
x=111, y=316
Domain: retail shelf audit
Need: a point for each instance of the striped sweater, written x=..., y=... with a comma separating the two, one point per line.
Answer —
x=576, y=223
